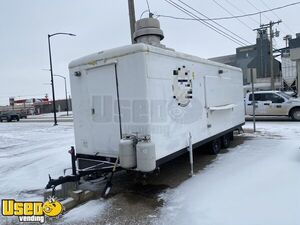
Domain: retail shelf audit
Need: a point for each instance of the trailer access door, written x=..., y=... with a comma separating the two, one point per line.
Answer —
x=104, y=110
x=220, y=101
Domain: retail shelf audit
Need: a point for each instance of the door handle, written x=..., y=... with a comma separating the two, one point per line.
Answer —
x=266, y=103
x=278, y=106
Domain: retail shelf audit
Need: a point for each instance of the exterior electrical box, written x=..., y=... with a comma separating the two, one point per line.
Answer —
x=151, y=93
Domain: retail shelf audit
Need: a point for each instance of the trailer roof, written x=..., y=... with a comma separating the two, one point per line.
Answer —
x=135, y=48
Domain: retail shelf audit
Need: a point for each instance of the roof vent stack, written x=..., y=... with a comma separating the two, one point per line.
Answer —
x=147, y=30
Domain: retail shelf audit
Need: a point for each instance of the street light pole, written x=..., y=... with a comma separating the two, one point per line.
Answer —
x=51, y=71
x=66, y=92
x=67, y=102
x=271, y=57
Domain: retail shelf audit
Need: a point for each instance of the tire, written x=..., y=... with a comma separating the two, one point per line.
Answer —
x=225, y=141
x=295, y=114
x=18, y=119
x=215, y=146
x=231, y=136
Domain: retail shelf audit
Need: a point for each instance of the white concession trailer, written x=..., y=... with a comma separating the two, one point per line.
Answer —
x=145, y=104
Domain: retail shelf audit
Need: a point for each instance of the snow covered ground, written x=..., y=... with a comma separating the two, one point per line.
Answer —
x=256, y=183
x=85, y=213
x=28, y=153
x=51, y=115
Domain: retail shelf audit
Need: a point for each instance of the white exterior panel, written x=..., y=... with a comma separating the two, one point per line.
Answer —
x=163, y=93
x=210, y=89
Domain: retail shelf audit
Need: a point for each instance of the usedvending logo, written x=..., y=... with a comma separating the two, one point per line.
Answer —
x=34, y=211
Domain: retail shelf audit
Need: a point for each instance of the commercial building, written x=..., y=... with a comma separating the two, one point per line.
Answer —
x=255, y=59
x=37, y=106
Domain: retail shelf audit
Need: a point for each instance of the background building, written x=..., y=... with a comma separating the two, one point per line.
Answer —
x=35, y=106
x=256, y=59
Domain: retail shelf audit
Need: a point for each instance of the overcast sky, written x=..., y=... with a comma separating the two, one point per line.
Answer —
x=101, y=25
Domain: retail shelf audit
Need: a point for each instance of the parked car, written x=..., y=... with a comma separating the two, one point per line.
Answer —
x=273, y=103
x=22, y=115
x=9, y=116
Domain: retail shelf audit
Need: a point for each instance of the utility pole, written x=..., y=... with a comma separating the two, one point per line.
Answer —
x=253, y=101
x=131, y=18
x=271, y=33
x=271, y=57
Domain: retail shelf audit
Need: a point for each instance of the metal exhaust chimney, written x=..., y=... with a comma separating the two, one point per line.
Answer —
x=147, y=30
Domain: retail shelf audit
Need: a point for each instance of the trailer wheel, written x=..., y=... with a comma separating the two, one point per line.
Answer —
x=226, y=141
x=231, y=136
x=215, y=146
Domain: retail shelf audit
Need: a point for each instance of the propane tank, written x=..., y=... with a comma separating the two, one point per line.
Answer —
x=127, y=153
x=146, y=158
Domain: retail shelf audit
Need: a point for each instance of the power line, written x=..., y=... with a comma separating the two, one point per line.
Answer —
x=243, y=42
x=257, y=9
x=232, y=14
x=148, y=6
x=268, y=8
x=144, y=13
x=147, y=10
x=195, y=17
x=265, y=4
x=214, y=22
x=243, y=12
x=233, y=17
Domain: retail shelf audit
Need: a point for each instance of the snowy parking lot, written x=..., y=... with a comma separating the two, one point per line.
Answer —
x=255, y=182
x=28, y=153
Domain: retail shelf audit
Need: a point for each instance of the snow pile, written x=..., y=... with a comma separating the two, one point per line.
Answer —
x=28, y=153
x=256, y=183
x=84, y=213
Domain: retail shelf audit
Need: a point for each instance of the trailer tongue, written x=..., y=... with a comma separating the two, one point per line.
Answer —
x=100, y=170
